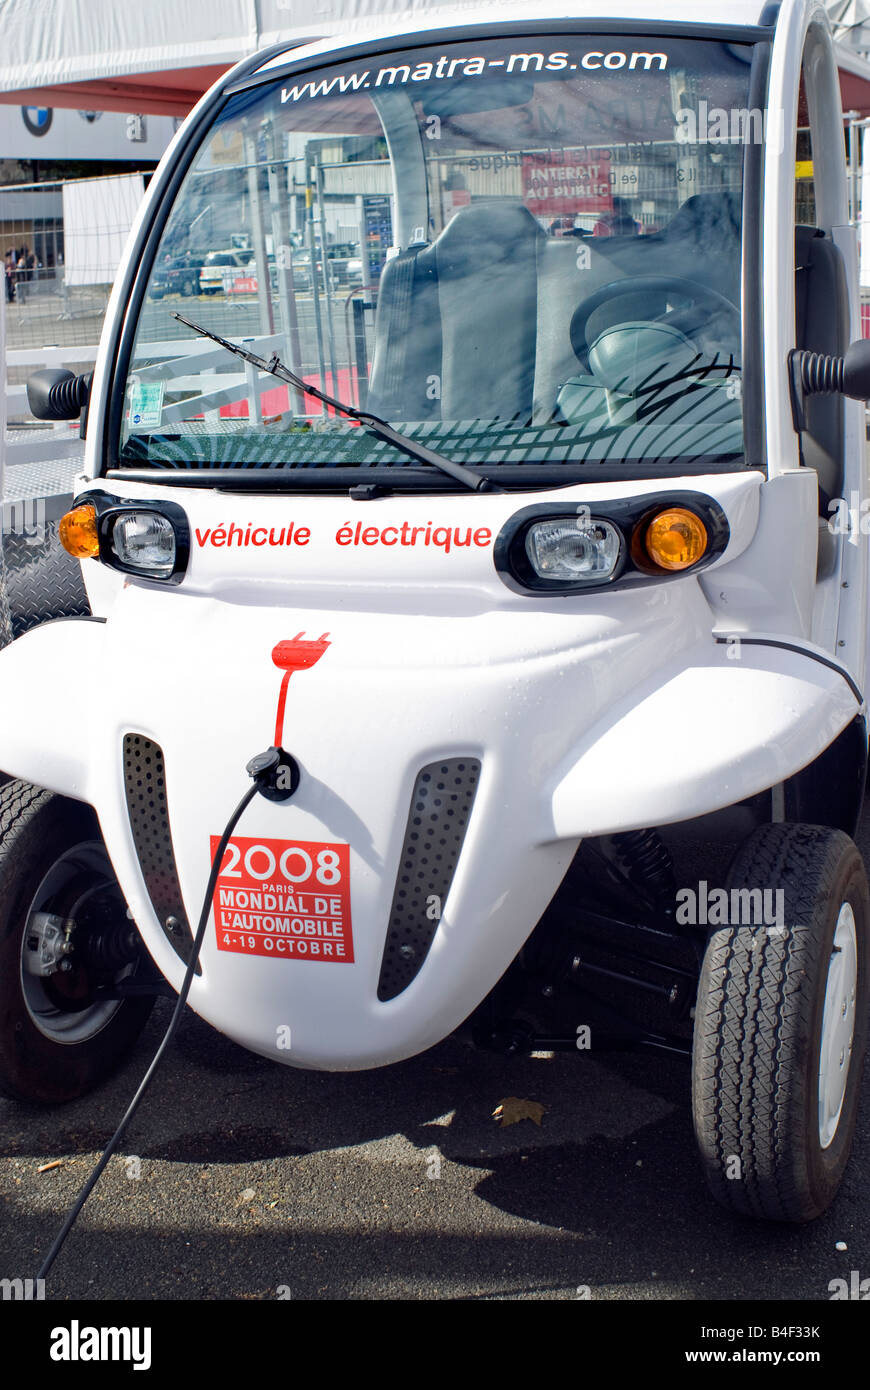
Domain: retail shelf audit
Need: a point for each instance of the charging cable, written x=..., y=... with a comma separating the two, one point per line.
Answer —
x=269, y=771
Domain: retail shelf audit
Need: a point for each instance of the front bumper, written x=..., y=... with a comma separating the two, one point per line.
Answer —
x=575, y=716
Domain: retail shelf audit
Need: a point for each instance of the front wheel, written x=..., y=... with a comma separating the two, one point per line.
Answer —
x=68, y=951
x=781, y=1024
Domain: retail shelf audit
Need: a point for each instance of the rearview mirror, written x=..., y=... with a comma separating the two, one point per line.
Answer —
x=56, y=394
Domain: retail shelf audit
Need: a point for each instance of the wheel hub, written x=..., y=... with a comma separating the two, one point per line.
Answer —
x=47, y=943
x=63, y=957
x=838, y=1025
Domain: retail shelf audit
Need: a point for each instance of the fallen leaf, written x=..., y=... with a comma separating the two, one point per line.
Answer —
x=513, y=1109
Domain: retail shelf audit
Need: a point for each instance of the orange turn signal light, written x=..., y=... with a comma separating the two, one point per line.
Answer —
x=675, y=539
x=78, y=532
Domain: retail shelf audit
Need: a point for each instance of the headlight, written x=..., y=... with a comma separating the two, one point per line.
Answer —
x=150, y=540
x=145, y=543
x=573, y=551
x=610, y=542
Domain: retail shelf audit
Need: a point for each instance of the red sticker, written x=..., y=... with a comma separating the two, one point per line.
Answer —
x=285, y=899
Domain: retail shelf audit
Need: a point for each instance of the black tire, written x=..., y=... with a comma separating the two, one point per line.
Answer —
x=51, y=854
x=758, y=1028
x=187, y=288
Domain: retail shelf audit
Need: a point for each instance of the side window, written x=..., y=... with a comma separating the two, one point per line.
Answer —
x=805, y=185
x=821, y=296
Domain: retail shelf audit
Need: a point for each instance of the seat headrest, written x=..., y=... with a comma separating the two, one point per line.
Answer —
x=483, y=233
x=705, y=217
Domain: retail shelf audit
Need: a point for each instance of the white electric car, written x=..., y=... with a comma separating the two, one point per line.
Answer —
x=549, y=623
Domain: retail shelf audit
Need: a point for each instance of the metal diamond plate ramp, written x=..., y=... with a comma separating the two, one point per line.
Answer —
x=38, y=580
x=42, y=581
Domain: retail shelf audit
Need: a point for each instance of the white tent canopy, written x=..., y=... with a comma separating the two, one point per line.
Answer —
x=157, y=58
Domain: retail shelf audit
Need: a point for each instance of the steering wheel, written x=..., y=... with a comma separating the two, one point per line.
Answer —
x=687, y=320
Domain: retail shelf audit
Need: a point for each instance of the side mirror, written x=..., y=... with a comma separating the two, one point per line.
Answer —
x=56, y=394
x=815, y=374
x=856, y=371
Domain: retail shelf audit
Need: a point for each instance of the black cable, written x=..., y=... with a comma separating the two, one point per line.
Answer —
x=167, y=1038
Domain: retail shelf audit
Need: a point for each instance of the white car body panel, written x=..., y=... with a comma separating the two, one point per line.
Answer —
x=591, y=713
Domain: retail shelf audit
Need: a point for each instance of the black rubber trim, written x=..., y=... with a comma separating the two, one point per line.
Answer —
x=74, y=618
x=752, y=279
x=801, y=651
x=528, y=477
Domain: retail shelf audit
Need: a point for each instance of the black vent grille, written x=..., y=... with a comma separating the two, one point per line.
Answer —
x=437, y=822
x=145, y=785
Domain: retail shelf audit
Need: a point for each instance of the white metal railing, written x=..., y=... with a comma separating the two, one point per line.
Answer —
x=41, y=444
x=16, y=396
x=213, y=388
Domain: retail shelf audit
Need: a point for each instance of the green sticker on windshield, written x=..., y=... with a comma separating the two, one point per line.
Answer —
x=146, y=404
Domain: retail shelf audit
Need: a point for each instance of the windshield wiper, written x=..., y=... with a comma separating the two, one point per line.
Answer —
x=478, y=482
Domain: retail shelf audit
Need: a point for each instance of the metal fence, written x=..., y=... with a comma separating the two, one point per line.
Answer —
x=58, y=276
x=53, y=305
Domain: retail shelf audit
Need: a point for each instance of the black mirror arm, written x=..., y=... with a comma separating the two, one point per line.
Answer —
x=816, y=374
x=55, y=394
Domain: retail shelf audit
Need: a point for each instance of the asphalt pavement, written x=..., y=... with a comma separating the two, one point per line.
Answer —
x=243, y=1179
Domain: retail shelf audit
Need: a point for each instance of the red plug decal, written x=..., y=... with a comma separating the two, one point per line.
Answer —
x=297, y=654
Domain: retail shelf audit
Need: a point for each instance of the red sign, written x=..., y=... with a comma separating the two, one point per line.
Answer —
x=288, y=899
x=560, y=182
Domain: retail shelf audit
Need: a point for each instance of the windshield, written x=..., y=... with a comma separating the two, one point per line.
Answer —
x=529, y=261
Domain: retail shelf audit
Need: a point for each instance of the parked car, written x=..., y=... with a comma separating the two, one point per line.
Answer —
x=179, y=275
x=221, y=268
x=345, y=263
